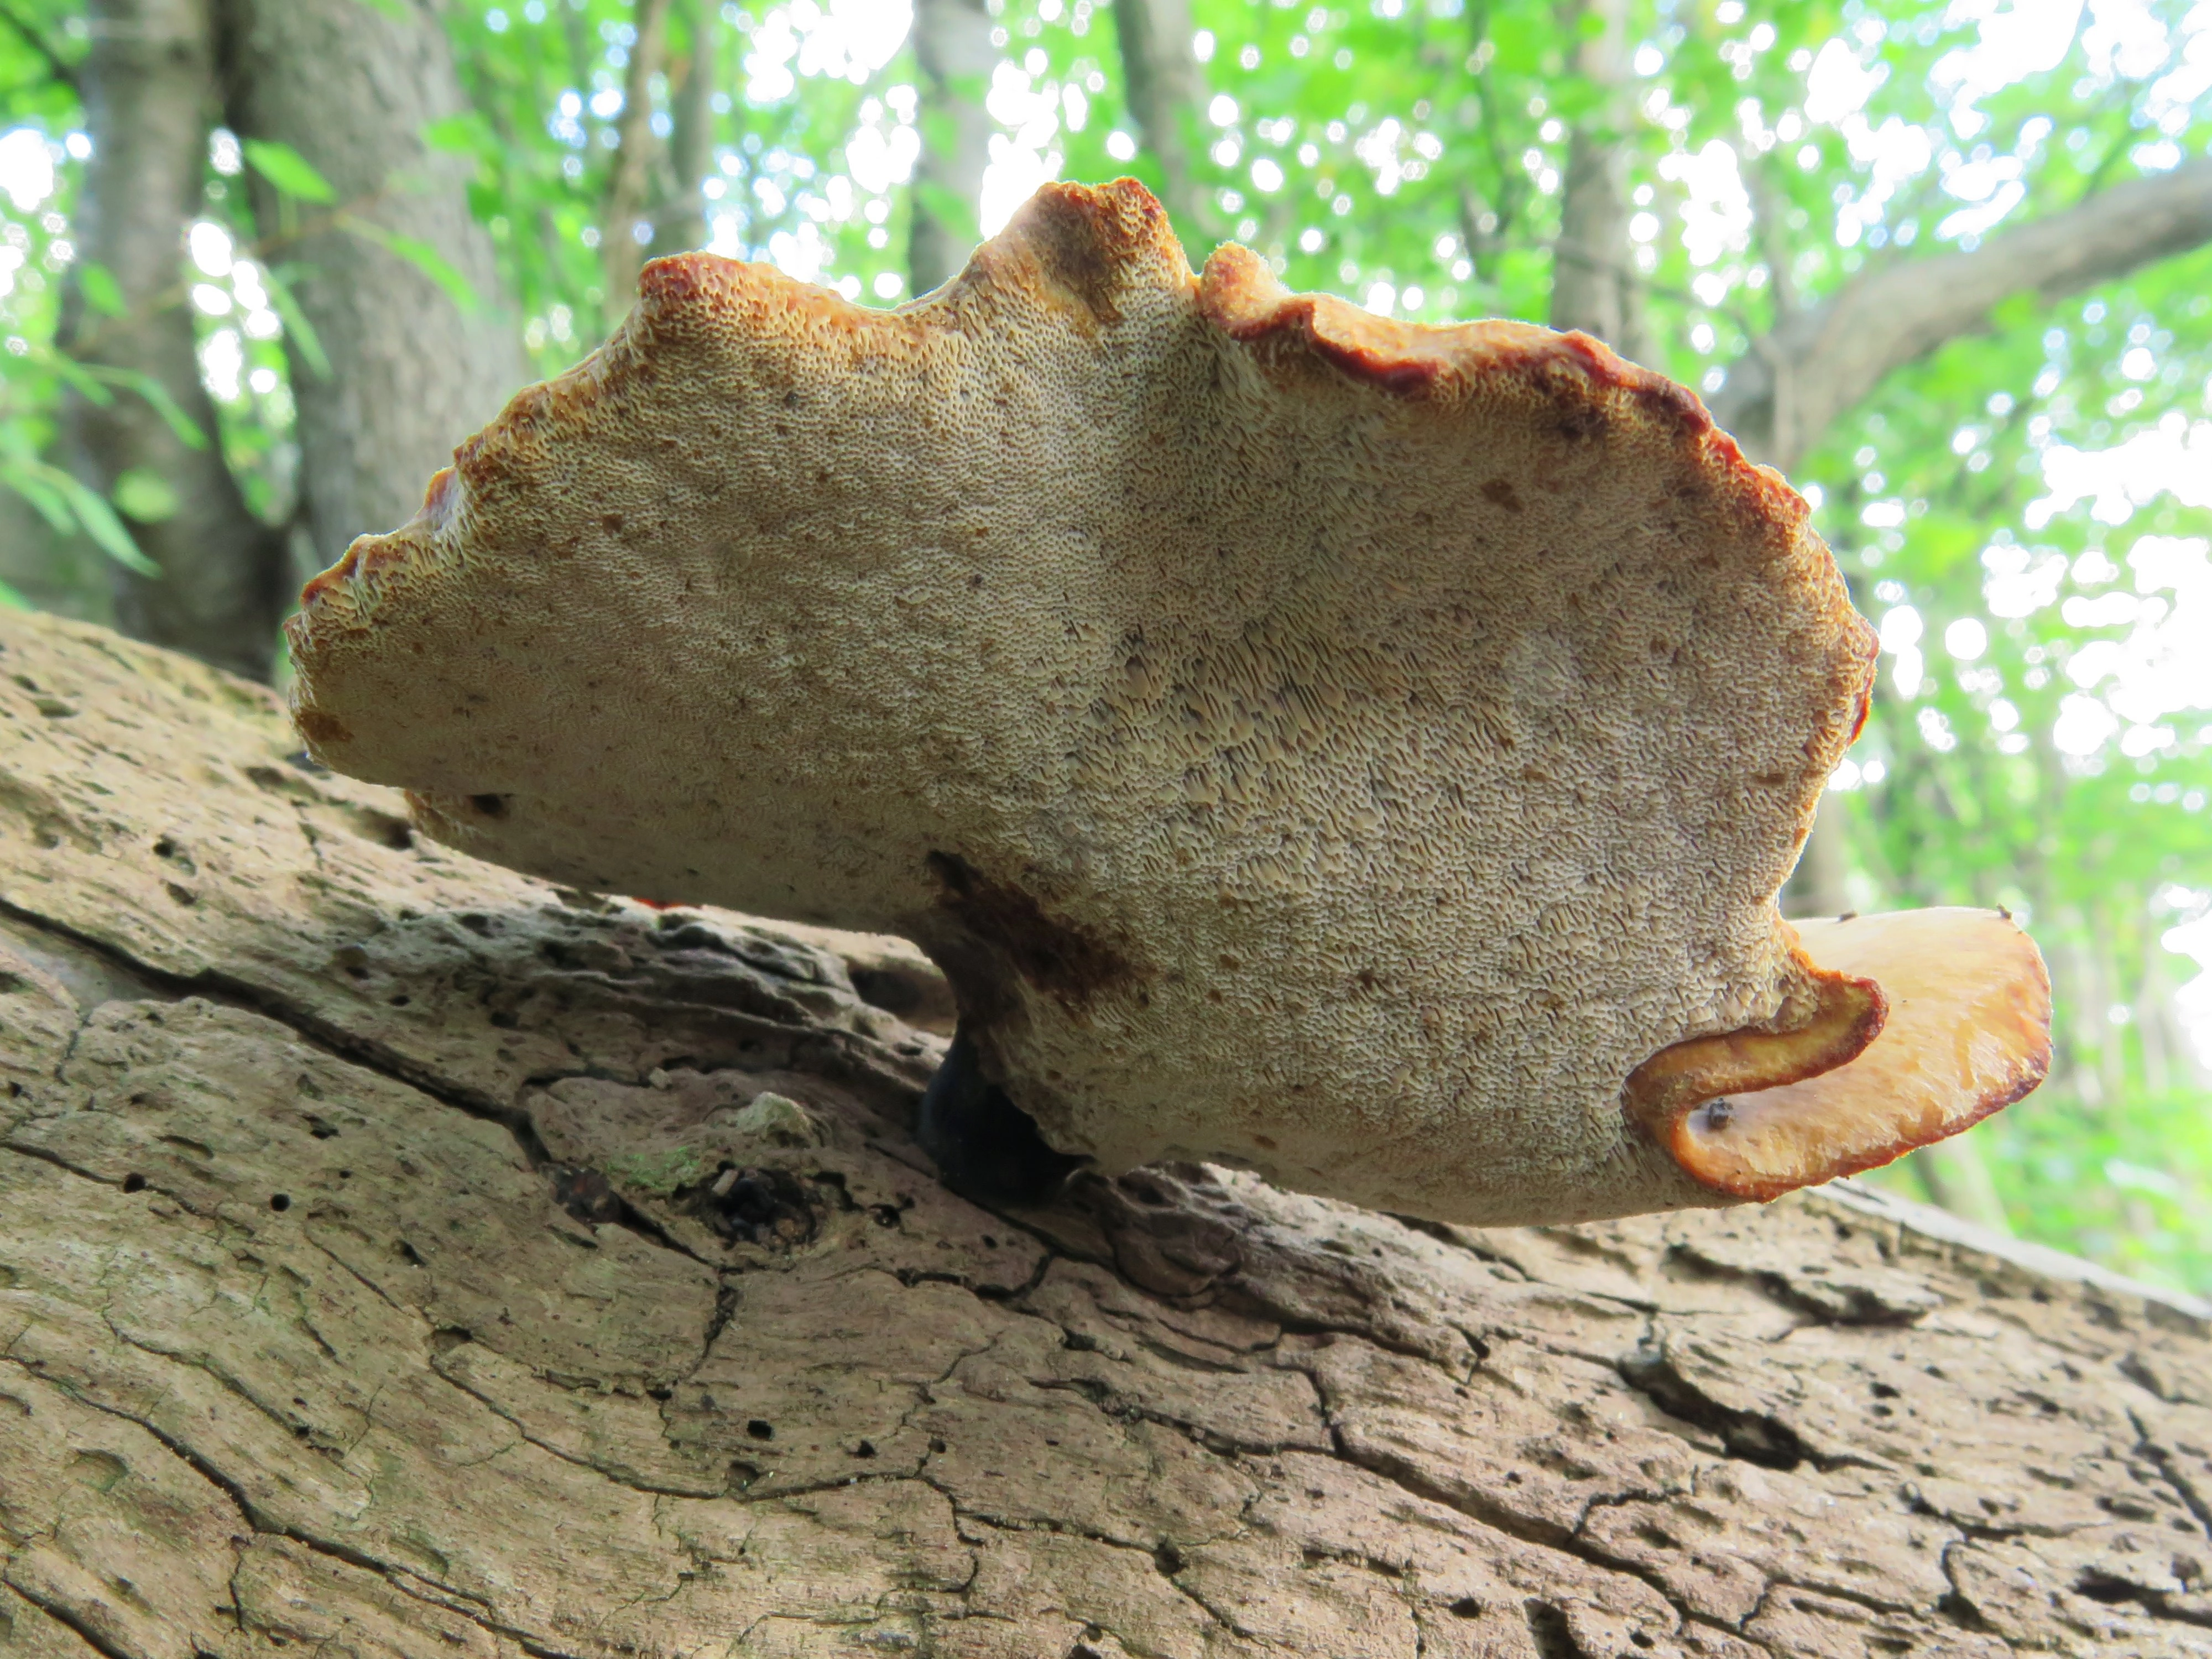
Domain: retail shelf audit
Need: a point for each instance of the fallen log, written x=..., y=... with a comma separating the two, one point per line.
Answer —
x=401, y=1256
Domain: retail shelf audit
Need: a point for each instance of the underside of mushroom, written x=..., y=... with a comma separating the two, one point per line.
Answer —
x=1363, y=752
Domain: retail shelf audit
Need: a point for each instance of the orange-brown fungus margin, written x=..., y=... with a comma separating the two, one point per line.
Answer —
x=1968, y=1032
x=318, y=727
x=1091, y=245
x=1830, y=1028
x=1239, y=295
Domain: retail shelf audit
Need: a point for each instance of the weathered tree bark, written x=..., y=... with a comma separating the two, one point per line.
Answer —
x=351, y=86
x=1165, y=89
x=952, y=47
x=398, y=1256
x=149, y=95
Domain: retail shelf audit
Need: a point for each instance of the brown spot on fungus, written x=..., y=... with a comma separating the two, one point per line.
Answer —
x=1342, y=746
x=320, y=729
x=1003, y=931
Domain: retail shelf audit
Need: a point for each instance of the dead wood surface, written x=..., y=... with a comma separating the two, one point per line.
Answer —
x=399, y=1256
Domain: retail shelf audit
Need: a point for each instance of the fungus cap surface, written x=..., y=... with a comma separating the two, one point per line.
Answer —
x=1332, y=745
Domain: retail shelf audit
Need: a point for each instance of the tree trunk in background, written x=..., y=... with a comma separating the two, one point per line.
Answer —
x=351, y=86
x=150, y=96
x=402, y=1257
x=680, y=225
x=952, y=46
x=1165, y=90
x=1956, y=1175
x=1595, y=284
x=629, y=181
x=1819, y=885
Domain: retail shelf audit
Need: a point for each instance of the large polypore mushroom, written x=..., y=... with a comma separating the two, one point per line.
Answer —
x=1365, y=752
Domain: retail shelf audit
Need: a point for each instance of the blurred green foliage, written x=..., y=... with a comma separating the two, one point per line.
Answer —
x=2025, y=513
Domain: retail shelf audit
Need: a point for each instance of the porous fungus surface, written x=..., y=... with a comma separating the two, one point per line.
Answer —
x=1339, y=747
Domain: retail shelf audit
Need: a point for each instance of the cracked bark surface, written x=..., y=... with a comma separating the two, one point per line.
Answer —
x=399, y=1256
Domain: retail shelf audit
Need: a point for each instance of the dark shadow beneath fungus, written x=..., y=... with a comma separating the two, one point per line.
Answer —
x=986, y=1147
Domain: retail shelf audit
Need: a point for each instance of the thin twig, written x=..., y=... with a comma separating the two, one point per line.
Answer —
x=1769, y=202
x=85, y=344
x=1509, y=187
x=1590, y=259
x=62, y=69
x=635, y=150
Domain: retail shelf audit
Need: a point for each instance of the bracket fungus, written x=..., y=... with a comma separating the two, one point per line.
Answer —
x=1362, y=752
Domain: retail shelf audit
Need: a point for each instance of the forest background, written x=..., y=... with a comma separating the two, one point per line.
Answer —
x=264, y=262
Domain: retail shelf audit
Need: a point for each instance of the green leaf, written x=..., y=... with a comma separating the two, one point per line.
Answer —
x=100, y=523
x=297, y=328
x=146, y=495
x=91, y=381
x=99, y=520
x=50, y=503
x=2016, y=311
x=171, y=412
x=10, y=599
x=289, y=170
x=421, y=255
x=466, y=134
x=1520, y=43
x=85, y=382
x=102, y=291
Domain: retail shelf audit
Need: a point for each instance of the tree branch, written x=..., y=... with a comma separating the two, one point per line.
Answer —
x=1482, y=246
x=680, y=222
x=60, y=66
x=1833, y=354
x=1769, y=205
